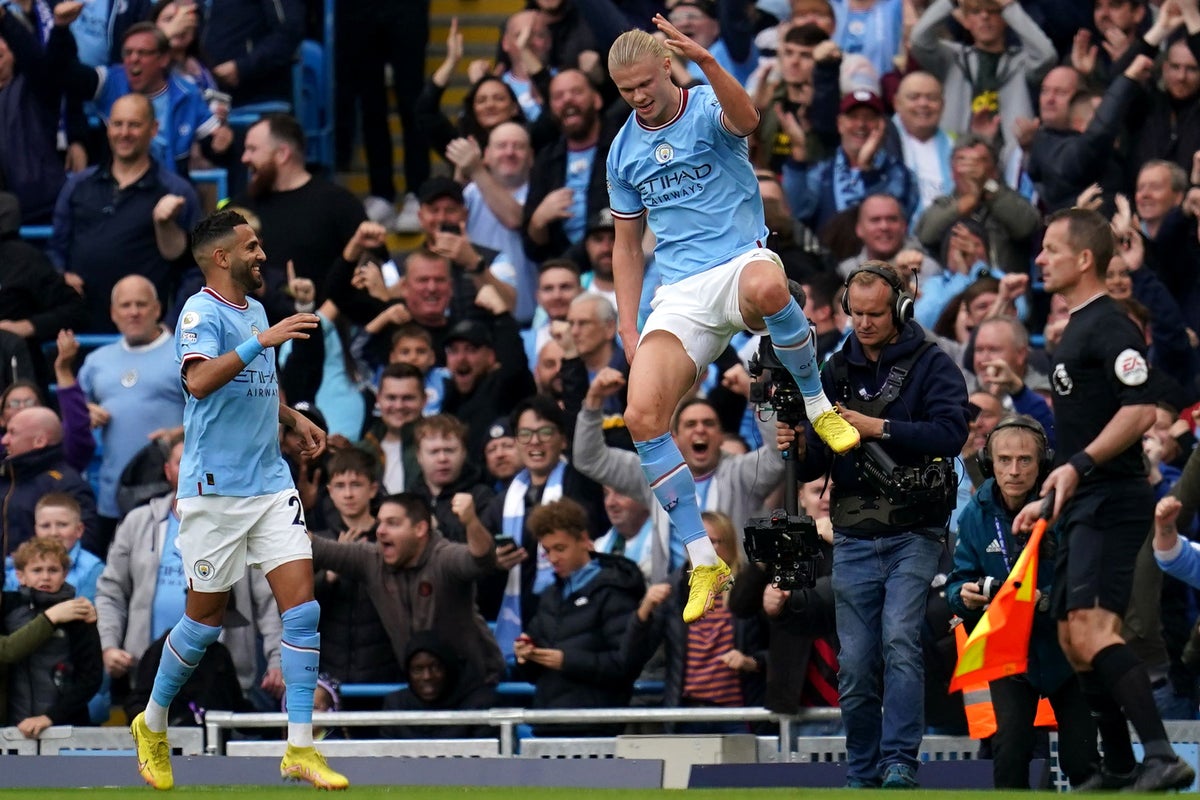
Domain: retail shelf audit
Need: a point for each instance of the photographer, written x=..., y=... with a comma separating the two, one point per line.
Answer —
x=1014, y=459
x=908, y=402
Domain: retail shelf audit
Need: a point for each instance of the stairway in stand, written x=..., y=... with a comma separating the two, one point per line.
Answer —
x=480, y=22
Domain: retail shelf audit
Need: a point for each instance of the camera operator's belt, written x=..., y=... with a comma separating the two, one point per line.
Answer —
x=891, y=386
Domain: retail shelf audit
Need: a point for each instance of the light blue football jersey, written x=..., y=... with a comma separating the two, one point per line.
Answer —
x=231, y=437
x=694, y=180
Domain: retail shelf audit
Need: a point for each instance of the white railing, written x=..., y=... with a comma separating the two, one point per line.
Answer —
x=507, y=720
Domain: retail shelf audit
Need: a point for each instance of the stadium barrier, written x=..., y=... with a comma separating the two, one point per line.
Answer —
x=507, y=720
x=77, y=740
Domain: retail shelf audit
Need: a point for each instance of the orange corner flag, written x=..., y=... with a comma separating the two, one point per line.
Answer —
x=999, y=645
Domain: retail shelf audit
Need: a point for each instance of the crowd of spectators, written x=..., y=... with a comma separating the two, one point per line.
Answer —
x=480, y=515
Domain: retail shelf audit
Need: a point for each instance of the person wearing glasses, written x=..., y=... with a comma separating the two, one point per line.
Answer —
x=546, y=475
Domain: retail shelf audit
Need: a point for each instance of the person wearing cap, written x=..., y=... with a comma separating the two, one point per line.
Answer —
x=681, y=166
x=132, y=387
x=307, y=219
x=860, y=166
x=567, y=182
x=488, y=374
x=723, y=29
x=500, y=456
x=439, y=679
x=596, y=256
x=140, y=595
x=987, y=82
x=444, y=223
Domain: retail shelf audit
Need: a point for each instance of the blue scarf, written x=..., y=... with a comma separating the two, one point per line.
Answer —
x=848, y=186
x=508, y=622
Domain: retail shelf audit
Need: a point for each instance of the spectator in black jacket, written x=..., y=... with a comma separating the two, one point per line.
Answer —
x=1064, y=161
x=441, y=442
x=439, y=679
x=53, y=685
x=719, y=660
x=30, y=165
x=488, y=371
x=35, y=301
x=571, y=649
x=34, y=467
x=540, y=428
x=1169, y=125
x=567, y=184
x=251, y=47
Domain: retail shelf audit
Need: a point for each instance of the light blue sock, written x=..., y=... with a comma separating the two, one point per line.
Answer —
x=299, y=657
x=673, y=485
x=791, y=336
x=792, y=339
x=181, y=654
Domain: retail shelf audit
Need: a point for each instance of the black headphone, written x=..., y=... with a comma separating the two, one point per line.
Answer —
x=1025, y=422
x=902, y=300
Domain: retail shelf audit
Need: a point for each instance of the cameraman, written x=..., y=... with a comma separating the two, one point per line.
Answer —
x=1014, y=459
x=908, y=397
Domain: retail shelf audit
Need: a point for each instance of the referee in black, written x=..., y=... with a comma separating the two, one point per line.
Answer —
x=1103, y=404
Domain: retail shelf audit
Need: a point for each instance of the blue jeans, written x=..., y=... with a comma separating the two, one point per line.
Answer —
x=880, y=588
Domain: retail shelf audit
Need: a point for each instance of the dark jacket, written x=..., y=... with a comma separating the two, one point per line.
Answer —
x=498, y=392
x=58, y=678
x=354, y=640
x=666, y=626
x=213, y=685
x=575, y=485
x=464, y=689
x=977, y=555
x=550, y=173
x=17, y=645
x=588, y=626
x=31, y=288
x=808, y=614
x=1064, y=162
x=30, y=166
x=928, y=419
x=1169, y=128
x=261, y=37
x=471, y=482
x=374, y=437
x=24, y=479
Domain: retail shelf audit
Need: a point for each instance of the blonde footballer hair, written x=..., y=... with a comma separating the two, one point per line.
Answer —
x=634, y=46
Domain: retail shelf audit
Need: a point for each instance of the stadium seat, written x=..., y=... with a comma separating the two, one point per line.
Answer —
x=310, y=84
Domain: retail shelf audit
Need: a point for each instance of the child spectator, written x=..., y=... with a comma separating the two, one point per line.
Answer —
x=57, y=516
x=53, y=685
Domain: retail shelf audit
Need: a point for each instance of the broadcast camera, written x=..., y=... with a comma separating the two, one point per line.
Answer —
x=932, y=485
x=786, y=541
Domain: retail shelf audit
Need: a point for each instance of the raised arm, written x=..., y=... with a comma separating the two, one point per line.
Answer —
x=737, y=109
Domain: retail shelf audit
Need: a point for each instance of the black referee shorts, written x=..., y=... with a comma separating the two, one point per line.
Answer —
x=1103, y=527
